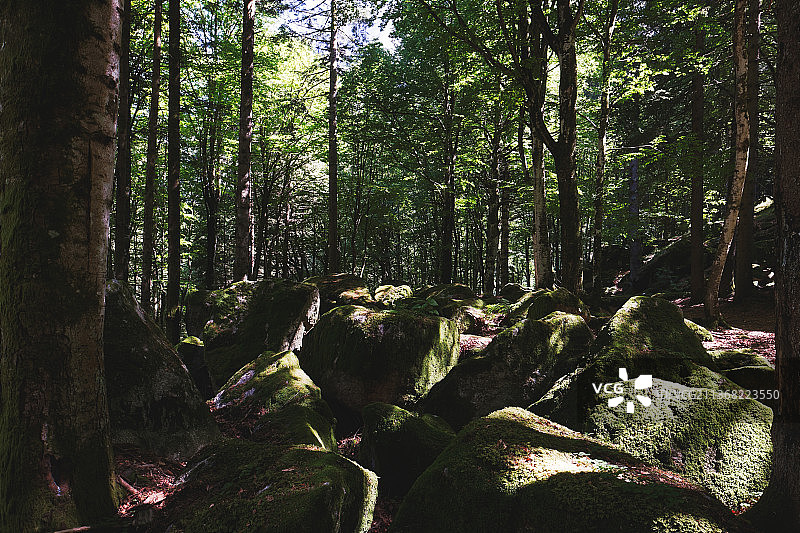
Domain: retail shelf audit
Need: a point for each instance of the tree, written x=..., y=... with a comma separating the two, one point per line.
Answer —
x=58, y=92
x=742, y=151
x=779, y=508
x=333, y=145
x=122, y=219
x=243, y=260
x=174, y=175
x=150, y=168
x=697, y=257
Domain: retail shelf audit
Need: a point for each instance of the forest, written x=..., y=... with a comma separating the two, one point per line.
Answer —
x=400, y=266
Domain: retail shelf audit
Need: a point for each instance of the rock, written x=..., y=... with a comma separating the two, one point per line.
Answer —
x=515, y=472
x=399, y=445
x=271, y=398
x=152, y=401
x=341, y=289
x=472, y=345
x=729, y=359
x=520, y=365
x=545, y=302
x=193, y=354
x=702, y=333
x=388, y=294
x=512, y=291
x=247, y=318
x=359, y=355
x=751, y=372
x=519, y=308
x=694, y=422
x=450, y=291
x=238, y=485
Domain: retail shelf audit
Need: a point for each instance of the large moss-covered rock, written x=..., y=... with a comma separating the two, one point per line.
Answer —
x=751, y=372
x=238, y=485
x=545, y=302
x=153, y=403
x=341, y=289
x=691, y=419
x=193, y=354
x=242, y=321
x=272, y=399
x=515, y=472
x=359, y=355
x=702, y=333
x=388, y=294
x=399, y=445
x=516, y=369
x=512, y=291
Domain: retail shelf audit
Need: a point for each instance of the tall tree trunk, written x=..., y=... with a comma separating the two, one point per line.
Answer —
x=333, y=148
x=172, y=312
x=505, y=214
x=600, y=162
x=122, y=218
x=150, y=169
x=633, y=223
x=492, y=232
x=58, y=112
x=742, y=150
x=243, y=258
x=697, y=254
x=744, y=237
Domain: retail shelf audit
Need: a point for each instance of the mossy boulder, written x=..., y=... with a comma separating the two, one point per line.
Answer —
x=512, y=292
x=751, y=372
x=359, y=355
x=515, y=472
x=702, y=333
x=519, y=365
x=545, y=302
x=692, y=419
x=238, y=485
x=248, y=318
x=152, y=401
x=519, y=309
x=341, y=289
x=272, y=399
x=192, y=352
x=399, y=445
x=388, y=294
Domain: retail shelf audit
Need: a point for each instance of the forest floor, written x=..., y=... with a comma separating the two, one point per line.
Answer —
x=752, y=325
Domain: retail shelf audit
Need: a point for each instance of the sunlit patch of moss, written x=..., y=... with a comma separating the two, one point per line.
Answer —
x=702, y=333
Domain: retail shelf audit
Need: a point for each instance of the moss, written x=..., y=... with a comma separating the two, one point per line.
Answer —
x=729, y=359
x=238, y=485
x=273, y=396
x=514, y=471
x=399, y=445
x=451, y=291
x=247, y=318
x=359, y=355
x=545, y=302
x=341, y=289
x=388, y=294
x=512, y=292
x=702, y=333
x=153, y=402
x=516, y=369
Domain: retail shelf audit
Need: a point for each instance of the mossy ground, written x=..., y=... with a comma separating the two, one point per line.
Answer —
x=399, y=445
x=514, y=471
x=360, y=355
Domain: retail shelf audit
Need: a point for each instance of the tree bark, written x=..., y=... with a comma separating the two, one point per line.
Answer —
x=334, y=252
x=742, y=150
x=697, y=254
x=243, y=258
x=600, y=161
x=122, y=216
x=58, y=112
x=633, y=222
x=744, y=237
x=172, y=312
x=505, y=215
x=492, y=232
x=150, y=169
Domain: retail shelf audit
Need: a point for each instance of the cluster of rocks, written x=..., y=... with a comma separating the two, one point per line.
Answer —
x=535, y=427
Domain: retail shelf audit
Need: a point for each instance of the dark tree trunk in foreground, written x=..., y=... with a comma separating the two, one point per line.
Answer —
x=334, y=252
x=744, y=237
x=122, y=217
x=742, y=150
x=58, y=106
x=697, y=259
x=172, y=316
x=150, y=169
x=779, y=508
x=243, y=259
